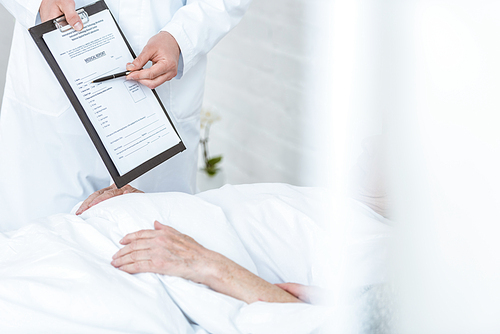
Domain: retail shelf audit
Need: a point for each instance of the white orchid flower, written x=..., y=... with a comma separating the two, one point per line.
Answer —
x=208, y=116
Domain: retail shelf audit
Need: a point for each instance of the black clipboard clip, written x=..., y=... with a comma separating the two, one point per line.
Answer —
x=63, y=25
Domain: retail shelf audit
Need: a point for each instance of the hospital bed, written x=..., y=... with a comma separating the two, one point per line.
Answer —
x=56, y=277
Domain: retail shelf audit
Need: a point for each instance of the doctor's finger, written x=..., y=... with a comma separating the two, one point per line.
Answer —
x=152, y=84
x=159, y=68
x=72, y=17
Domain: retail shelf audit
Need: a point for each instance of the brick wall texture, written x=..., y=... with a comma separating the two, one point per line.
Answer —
x=259, y=79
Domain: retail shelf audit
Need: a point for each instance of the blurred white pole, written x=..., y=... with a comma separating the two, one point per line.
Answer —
x=337, y=68
x=343, y=49
x=330, y=94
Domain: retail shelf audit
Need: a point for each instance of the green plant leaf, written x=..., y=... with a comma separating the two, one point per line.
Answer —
x=214, y=161
x=211, y=171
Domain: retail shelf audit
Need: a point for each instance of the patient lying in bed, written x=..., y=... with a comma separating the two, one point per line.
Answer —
x=56, y=275
x=164, y=250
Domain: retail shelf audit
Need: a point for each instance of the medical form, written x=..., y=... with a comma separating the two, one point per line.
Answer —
x=128, y=117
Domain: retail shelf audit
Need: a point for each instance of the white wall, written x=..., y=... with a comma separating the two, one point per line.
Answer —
x=260, y=78
x=6, y=28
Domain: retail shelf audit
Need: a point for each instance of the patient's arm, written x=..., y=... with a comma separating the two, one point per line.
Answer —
x=104, y=194
x=164, y=250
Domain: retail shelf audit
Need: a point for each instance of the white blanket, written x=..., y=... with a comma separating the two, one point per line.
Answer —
x=56, y=277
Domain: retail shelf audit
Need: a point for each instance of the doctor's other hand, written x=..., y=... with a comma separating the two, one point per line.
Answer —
x=104, y=194
x=163, y=51
x=50, y=9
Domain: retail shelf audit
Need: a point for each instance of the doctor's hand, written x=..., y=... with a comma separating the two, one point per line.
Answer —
x=163, y=51
x=104, y=194
x=50, y=9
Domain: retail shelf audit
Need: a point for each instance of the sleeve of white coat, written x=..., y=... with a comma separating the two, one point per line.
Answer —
x=24, y=11
x=201, y=24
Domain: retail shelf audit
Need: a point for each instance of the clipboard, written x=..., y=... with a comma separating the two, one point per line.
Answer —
x=86, y=13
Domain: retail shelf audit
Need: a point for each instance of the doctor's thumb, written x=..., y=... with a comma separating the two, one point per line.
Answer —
x=72, y=17
x=75, y=21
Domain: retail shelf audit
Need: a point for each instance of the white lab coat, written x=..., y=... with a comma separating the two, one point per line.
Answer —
x=47, y=161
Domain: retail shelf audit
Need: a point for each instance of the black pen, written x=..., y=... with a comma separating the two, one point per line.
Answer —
x=112, y=76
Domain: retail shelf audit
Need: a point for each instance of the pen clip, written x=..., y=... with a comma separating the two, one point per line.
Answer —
x=63, y=25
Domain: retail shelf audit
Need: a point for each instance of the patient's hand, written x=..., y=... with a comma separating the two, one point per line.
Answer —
x=163, y=250
x=104, y=194
x=166, y=251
